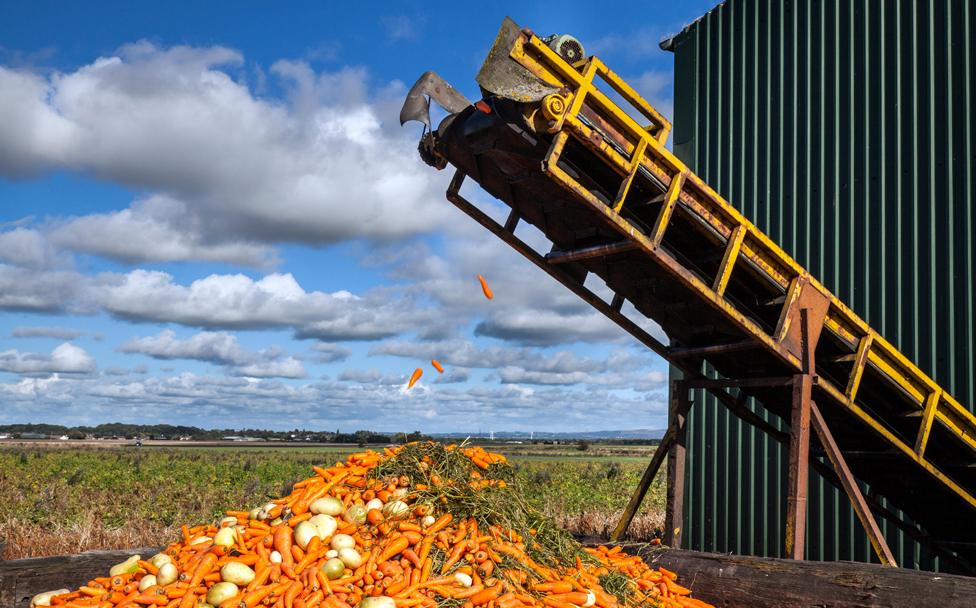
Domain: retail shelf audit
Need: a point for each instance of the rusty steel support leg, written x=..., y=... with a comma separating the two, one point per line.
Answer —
x=663, y=450
x=796, y=498
x=847, y=480
x=674, y=511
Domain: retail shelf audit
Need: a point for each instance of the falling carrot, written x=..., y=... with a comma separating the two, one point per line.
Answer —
x=437, y=365
x=417, y=373
x=485, y=288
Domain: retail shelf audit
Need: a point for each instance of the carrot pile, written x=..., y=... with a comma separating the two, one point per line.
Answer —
x=421, y=525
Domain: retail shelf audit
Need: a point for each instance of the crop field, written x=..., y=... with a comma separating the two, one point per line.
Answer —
x=59, y=500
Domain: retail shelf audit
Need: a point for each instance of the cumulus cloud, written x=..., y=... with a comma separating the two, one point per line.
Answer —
x=42, y=291
x=275, y=300
x=546, y=327
x=529, y=308
x=228, y=301
x=656, y=87
x=220, y=348
x=284, y=367
x=157, y=229
x=229, y=171
x=621, y=368
x=371, y=376
x=64, y=359
x=214, y=347
x=29, y=248
x=327, y=352
x=378, y=403
x=59, y=333
x=463, y=353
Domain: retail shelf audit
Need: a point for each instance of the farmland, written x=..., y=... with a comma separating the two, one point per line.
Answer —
x=59, y=500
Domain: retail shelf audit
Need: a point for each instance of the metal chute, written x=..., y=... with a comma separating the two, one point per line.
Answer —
x=431, y=86
x=503, y=76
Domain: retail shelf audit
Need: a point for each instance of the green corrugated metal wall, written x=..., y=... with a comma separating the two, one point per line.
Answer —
x=843, y=129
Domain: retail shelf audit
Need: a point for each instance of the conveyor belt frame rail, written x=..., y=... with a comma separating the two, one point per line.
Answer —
x=642, y=148
x=680, y=407
x=628, y=148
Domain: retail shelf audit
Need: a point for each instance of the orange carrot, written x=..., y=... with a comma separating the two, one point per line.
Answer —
x=282, y=543
x=484, y=287
x=441, y=523
x=396, y=546
x=203, y=568
x=437, y=365
x=487, y=595
x=417, y=373
x=456, y=554
x=374, y=517
x=559, y=587
x=292, y=593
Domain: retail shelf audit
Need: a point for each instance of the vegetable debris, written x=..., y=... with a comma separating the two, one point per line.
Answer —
x=422, y=525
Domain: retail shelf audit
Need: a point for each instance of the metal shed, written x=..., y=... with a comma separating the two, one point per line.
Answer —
x=844, y=130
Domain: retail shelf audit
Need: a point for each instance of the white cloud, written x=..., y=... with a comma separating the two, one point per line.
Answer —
x=376, y=403
x=285, y=367
x=64, y=359
x=619, y=369
x=463, y=353
x=29, y=248
x=371, y=376
x=275, y=300
x=158, y=229
x=656, y=87
x=529, y=307
x=228, y=171
x=326, y=352
x=220, y=348
x=546, y=327
x=59, y=333
x=42, y=291
x=214, y=347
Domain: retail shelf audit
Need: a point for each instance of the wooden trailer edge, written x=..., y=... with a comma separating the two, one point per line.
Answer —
x=22, y=579
x=727, y=581
x=731, y=581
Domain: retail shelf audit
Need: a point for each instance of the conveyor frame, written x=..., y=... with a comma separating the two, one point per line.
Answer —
x=860, y=372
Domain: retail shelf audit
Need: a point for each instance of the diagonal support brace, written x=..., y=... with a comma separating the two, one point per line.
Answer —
x=679, y=411
x=851, y=488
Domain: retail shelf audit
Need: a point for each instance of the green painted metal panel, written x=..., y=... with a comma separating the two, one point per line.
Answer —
x=843, y=129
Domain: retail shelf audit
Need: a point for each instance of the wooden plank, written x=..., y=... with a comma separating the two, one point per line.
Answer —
x=756, y=582
x=22, y=579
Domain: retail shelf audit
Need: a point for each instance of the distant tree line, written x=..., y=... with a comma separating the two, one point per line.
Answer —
x=120, y=430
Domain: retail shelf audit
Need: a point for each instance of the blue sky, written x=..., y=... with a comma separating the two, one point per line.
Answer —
x=211, y=216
